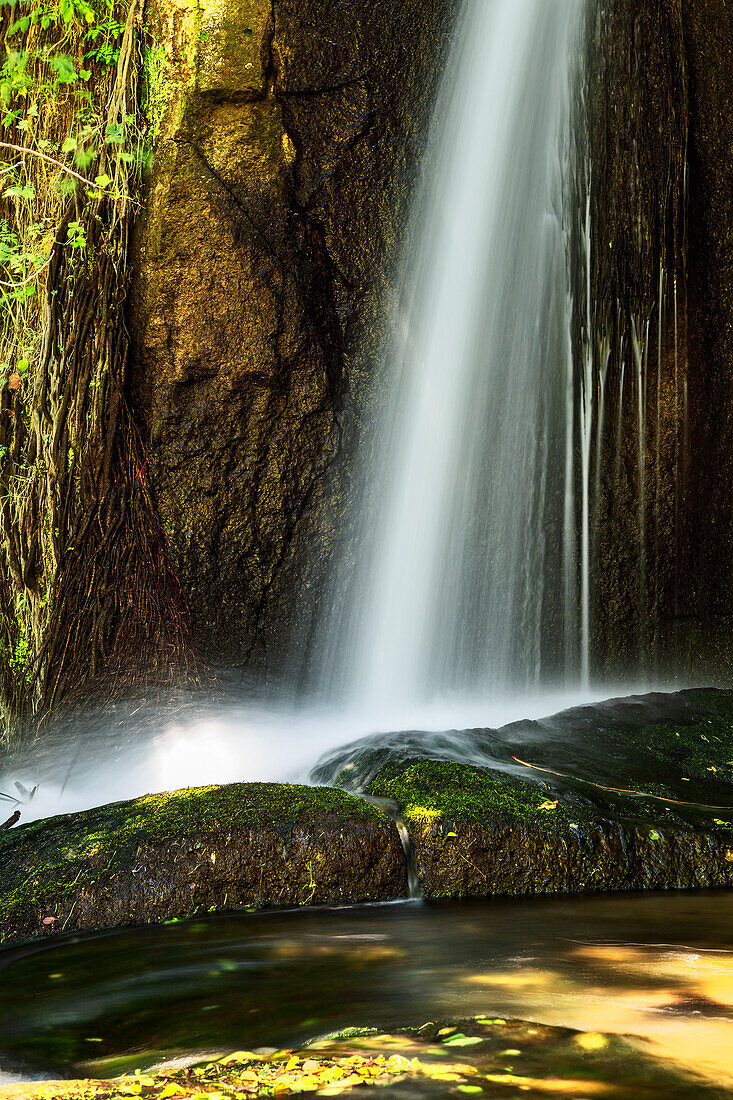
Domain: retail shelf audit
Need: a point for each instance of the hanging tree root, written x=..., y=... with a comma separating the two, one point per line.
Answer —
x=89, y=602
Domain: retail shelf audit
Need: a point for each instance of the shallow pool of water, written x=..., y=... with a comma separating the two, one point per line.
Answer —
x=658, y=967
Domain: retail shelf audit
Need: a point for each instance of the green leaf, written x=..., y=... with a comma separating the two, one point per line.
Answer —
x=20, y=26
x=64, y=68
x=26, y=192
x=115, y=133
x=463, y=1041
x=84, y=157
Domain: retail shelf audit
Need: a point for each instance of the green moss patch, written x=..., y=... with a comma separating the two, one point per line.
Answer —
x=439, y=791
x=49, y=862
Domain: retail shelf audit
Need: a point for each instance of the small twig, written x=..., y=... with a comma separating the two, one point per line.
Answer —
x=73, y=907
x=50, y=160
x=30, y=278
x=11, y=821
x=620, y=790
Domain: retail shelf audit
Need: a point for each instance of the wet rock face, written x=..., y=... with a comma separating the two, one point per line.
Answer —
x=708, y=26
x=197, y=851
x=288, y=138
x=514, y=859
x=660, y=90
x=479, y=833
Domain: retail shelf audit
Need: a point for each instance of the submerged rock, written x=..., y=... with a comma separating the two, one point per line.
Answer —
x=480, y=1055
x=201, y=850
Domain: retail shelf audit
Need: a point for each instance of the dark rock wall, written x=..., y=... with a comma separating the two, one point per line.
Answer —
x=660, y=89
x=708, y=28
x=632, y=169
x=289, y=139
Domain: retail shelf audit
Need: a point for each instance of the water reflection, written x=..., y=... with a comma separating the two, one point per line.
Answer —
x=657, y=967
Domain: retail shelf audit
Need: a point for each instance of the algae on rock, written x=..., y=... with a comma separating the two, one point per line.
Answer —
x=201, y=850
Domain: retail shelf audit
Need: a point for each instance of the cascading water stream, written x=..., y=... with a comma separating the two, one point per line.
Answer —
x=466, y=563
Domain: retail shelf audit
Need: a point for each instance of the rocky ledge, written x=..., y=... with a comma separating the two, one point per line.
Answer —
x=201, y=850
x=632, y=795
x=476, y=833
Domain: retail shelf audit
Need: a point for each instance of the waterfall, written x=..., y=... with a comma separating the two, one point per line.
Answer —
x=458, y=580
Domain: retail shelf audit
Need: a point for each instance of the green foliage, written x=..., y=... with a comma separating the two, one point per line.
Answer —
x=60, y=122
x=17, y=657
x=73, y=149
x=34, y=76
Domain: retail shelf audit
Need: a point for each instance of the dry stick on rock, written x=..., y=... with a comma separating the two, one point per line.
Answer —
x=12, y=820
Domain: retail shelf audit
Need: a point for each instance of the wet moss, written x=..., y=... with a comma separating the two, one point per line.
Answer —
x=47, y=866
x=604, y=806
x=441, y=791
x=158, y=90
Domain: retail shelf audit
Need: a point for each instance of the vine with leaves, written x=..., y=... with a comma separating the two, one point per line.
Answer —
x=88, y=600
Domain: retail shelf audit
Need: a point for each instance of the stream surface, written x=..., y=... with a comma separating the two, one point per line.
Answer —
x=656, y=967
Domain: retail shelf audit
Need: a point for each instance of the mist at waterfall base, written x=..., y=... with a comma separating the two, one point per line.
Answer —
x=141, y=749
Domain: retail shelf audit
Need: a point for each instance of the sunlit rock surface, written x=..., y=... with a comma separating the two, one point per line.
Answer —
x=288, y=140
x=200, y=850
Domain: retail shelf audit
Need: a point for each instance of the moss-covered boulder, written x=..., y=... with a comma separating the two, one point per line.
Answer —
x=200, y=850
x=478, y=833
x=633, y=794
